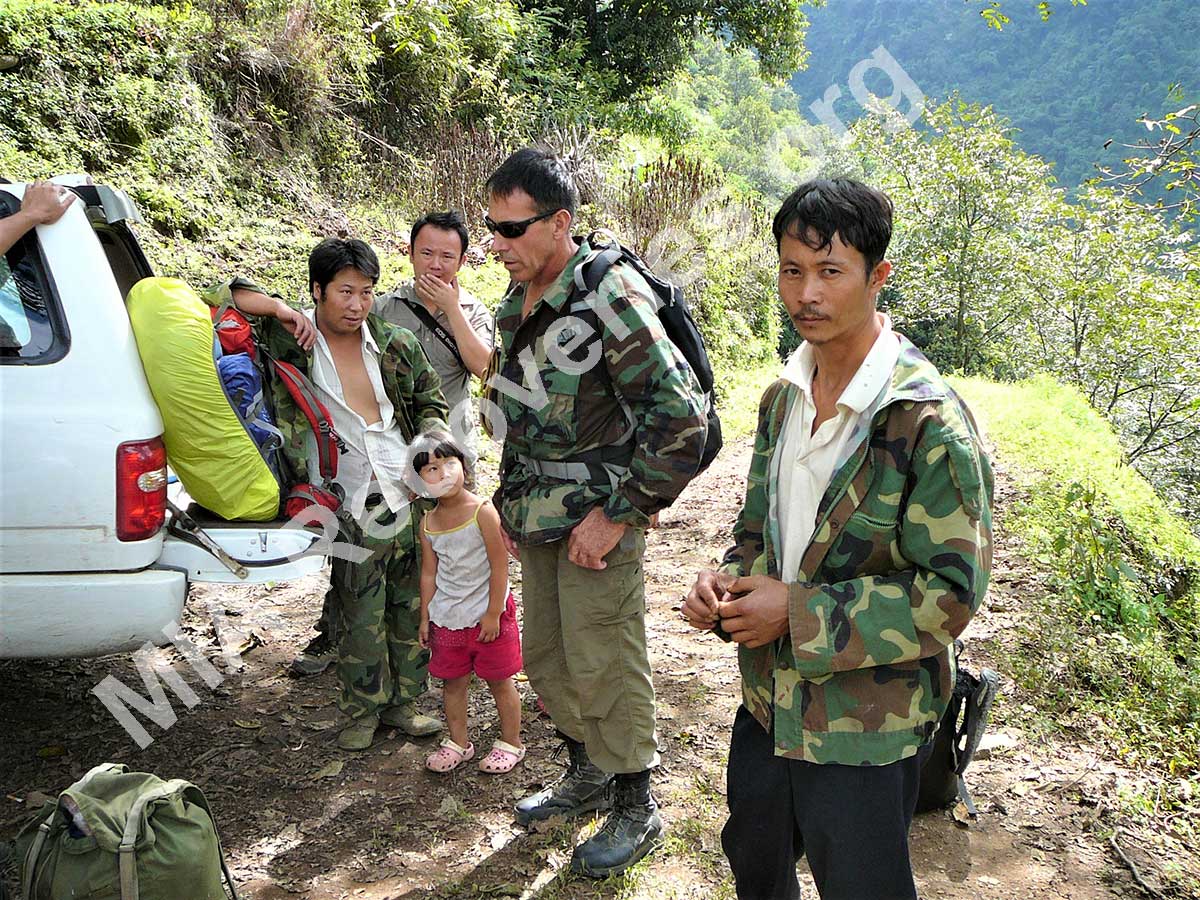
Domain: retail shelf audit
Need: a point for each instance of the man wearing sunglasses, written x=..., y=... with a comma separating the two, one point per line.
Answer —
x=603, y=426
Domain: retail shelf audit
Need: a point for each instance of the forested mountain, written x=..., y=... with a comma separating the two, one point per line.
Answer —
x=1068, y=84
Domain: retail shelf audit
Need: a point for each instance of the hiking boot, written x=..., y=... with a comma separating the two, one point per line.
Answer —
x=405, y=717
x=581, y=789
x=314, y=659
x=358, y=734
x=632, y=830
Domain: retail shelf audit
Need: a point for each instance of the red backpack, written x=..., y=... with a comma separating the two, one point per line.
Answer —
x=303, y=495
x=235, y=335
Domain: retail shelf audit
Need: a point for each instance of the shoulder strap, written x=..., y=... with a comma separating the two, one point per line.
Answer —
x=35, y=850
x=591, y=271
x=127, y=854
x=310, y=405
x=417, y=308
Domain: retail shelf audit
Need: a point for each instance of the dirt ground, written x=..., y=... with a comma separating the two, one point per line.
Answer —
x=301, y=819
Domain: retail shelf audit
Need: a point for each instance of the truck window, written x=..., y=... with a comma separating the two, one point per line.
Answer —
x=32, y=327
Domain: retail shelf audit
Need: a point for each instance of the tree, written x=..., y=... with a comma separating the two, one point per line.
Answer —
x=1115, y=315
x=996, y=272
x=645, y=43
x=969, y=205
x=1172, y=161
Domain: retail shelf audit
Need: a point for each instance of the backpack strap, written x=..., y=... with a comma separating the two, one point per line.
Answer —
x=127, y=852
x=971, y=698
x=257, y=403
x=591, y=271
x=35, y=850
x=417, y=308
x=310, y=404
x=977, y=709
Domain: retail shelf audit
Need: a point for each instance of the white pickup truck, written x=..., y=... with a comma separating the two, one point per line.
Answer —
x=88, y=565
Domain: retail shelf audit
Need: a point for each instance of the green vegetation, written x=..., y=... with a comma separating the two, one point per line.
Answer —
x=1068, y=84
x=998, y=273
x=738, y=393
x=644, y=44
x=1114, y=649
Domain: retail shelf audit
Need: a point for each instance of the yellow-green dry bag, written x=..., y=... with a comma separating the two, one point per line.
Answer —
x=207, y=445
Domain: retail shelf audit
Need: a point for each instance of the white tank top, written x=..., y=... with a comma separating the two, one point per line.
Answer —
x=463, y=573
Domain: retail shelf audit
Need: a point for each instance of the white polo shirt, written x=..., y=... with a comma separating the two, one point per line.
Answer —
x=808, y=461
x=376, y=451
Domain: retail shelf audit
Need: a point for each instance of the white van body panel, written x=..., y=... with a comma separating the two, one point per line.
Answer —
x=62, y=421
x=68, y=585
x=87, y=614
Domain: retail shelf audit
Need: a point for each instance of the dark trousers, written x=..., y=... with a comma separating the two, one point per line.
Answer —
x=850, y=821
x=331, y=616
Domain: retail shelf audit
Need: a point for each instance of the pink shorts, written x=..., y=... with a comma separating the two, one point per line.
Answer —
x=455, y=652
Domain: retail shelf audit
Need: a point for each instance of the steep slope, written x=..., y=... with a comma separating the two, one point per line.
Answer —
x=1068, y=84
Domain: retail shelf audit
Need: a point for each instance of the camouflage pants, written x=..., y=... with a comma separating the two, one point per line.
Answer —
x=380, y=660
x=584, y=640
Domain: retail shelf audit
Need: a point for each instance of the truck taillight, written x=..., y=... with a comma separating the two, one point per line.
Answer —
x=141, y=489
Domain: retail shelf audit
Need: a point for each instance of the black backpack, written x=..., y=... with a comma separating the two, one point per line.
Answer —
x=675, y=315
x=957, y=739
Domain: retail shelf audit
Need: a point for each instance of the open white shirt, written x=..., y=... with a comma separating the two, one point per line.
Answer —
x=808, y=461
x=372, y=451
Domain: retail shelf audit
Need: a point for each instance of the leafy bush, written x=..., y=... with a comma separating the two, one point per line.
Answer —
x=1115, y=640
x=661, y=197
x=132, y=109
x=676, y=213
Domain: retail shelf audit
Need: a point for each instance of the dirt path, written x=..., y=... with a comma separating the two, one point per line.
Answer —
x=302, y=819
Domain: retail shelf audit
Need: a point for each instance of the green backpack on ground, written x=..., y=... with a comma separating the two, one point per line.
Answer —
x=118, y=835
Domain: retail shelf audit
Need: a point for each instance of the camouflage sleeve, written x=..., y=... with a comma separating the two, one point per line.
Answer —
x=660, y=391
x=268, y=332
x=748, y=544
x=278, y=343
x=221, y=292
x=945, y=535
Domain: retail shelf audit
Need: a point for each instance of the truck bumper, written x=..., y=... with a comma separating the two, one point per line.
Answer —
x=81, y=614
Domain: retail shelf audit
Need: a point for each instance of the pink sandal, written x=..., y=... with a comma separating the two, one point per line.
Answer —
x=449, y=756
x=503, y=757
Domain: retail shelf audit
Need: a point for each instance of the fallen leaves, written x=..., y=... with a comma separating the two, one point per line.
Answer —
x=330, y=770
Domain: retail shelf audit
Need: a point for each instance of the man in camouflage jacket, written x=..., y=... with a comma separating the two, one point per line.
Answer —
x=603, y=427
x=372, y=608
x=846, y=660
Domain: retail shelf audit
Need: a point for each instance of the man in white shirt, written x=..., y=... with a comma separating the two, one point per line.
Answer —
x=381, y=392
x=860, y=554
x=455, y=331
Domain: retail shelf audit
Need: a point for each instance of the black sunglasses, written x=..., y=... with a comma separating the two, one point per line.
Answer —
x=512, y=230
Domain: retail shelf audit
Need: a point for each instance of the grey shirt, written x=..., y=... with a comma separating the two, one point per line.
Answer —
x=456, y=380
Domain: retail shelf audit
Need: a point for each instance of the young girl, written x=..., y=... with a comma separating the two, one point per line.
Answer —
x=468, y=615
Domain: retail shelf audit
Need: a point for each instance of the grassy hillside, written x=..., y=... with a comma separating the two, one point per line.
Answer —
x=1112, y=647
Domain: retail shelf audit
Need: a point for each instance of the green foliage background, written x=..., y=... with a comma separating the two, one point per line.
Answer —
x=1068, y=85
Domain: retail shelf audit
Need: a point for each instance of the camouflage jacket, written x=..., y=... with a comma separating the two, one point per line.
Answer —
x=408, y=380
x=898, y=564
x=627, y=406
